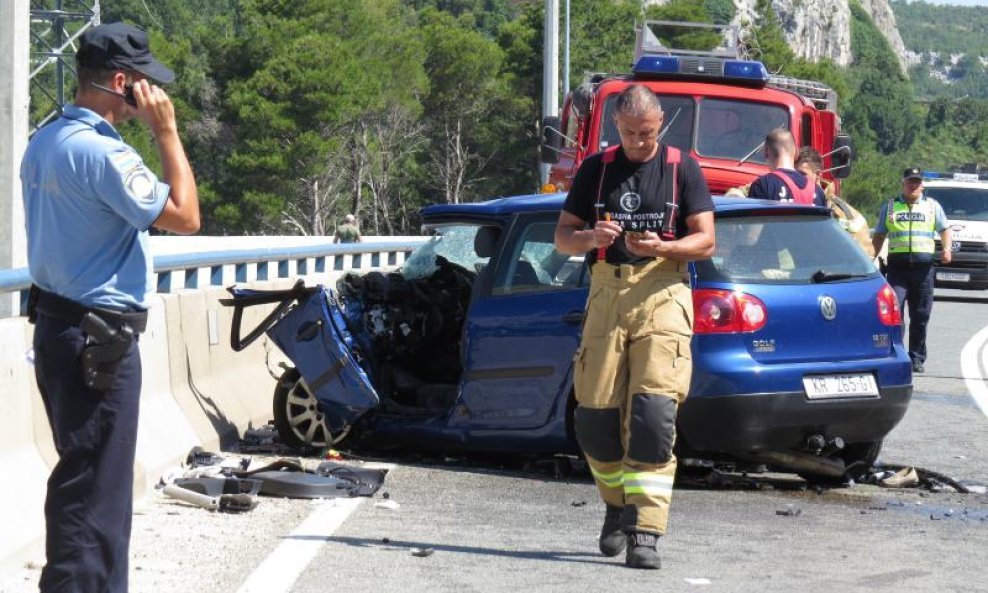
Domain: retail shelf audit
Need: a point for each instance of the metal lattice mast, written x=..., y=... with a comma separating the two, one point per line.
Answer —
x=55, y=28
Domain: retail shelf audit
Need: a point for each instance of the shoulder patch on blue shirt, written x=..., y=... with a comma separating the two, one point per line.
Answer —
x=140, y=184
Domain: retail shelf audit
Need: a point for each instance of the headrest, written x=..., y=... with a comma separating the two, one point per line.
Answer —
x=486, y=240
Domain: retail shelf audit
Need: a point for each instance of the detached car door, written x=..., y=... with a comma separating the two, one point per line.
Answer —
x=521, y=334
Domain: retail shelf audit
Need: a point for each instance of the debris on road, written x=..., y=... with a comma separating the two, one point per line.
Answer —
x=422, y=552
x=697, y=581
x=789, y=512
x=229, y=484
x=904, y=478
x=924, y=478
x=224, y=503
x=387, y=504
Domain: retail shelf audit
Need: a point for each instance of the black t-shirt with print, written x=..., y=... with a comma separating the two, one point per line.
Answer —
x=633, y=197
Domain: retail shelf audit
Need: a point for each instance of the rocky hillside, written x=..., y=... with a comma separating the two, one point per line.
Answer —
x=820, y=29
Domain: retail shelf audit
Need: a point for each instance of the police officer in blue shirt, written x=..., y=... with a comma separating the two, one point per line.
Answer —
x=784, y=183
x=89, y=201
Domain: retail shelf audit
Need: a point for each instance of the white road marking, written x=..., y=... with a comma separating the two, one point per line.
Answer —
x=974, y=364
x=279, y=571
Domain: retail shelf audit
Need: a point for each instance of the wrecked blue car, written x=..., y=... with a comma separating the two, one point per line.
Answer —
x=798, y=354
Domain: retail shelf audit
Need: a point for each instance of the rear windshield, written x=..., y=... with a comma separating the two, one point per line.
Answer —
x=784, y=250
x=961, y=203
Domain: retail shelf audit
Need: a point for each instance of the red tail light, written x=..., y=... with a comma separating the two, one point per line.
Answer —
x=723, y=312
x=888, y=307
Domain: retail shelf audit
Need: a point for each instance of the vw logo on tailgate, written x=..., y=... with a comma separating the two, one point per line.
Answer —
x=828, y=307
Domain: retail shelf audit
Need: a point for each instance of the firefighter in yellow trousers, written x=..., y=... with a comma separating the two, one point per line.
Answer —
x=640, y=211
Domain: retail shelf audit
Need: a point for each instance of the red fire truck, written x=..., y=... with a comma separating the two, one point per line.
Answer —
x=718, y=107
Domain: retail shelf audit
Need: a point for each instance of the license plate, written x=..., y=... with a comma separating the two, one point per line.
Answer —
x=953, y=277
x=839, y=386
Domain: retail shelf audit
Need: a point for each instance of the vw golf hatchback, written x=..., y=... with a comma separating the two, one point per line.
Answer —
x=798, y=355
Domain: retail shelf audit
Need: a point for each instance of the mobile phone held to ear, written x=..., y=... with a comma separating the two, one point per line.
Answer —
x=127, y=95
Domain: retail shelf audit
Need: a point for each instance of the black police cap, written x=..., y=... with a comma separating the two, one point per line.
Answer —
x=119, y=46
x=912, y=173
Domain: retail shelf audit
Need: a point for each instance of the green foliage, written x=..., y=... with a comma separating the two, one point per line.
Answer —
x=766, y=41
x=295, y=112
x=950, y=29
x=881, y=112
x=720, y=12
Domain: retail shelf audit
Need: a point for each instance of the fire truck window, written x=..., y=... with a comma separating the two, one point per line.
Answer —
x=732, y=129
x=806, y=130
x=677, y=127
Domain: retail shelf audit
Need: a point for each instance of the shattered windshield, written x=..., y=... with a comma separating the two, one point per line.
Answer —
x=454, y=242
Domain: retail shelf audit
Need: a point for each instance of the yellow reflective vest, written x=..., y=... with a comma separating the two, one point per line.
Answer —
x=911, y=229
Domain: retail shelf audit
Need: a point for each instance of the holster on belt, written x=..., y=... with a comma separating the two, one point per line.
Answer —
x=109, y=334
x=104, y=351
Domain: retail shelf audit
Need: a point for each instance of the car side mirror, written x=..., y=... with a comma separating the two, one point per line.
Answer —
x=552, y=139
x=842, y=156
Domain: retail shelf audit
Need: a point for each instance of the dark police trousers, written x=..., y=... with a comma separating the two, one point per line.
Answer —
x=90, y=491
x=913, y=284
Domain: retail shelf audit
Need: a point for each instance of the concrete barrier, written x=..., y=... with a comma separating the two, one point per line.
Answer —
x=196, y=391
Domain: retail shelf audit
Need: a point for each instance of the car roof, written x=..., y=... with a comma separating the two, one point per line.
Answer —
x=723, y=205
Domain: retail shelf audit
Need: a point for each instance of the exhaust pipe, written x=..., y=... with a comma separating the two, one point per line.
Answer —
x=804, y=462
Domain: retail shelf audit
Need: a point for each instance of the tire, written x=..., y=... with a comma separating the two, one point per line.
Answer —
x=861, y=457
x=858, y=458
x=299, y=418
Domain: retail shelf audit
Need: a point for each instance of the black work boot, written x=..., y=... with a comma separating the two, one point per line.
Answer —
x=641, y=550
x=612, y=539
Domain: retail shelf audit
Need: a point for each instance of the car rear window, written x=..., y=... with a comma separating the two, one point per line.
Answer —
x=790, y=249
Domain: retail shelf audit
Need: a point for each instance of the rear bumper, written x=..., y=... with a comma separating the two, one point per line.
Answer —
x=737, y=424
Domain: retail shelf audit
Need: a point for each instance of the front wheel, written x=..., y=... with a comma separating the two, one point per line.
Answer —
x=300, y=420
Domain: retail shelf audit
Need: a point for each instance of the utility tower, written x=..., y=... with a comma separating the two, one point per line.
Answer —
x=55, y=29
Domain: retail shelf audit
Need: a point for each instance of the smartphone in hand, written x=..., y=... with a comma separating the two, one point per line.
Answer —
x=127, y=95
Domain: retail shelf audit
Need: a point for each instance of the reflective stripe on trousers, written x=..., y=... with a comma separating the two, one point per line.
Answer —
x=636, y=344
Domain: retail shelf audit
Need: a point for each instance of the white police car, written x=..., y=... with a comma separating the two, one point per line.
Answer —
x=964, y=198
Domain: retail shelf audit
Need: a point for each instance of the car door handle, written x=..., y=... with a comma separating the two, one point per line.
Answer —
x=574, y=317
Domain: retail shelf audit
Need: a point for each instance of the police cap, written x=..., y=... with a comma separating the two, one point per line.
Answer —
x=119, y=46
x=912, y=173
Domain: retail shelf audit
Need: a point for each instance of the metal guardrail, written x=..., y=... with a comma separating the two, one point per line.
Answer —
x=190, y=271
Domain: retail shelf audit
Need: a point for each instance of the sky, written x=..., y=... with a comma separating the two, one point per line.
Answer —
x=959, y=2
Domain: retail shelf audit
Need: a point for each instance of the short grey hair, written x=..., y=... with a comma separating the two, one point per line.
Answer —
x=637, y=101
x=778, y=141
x=349, y=218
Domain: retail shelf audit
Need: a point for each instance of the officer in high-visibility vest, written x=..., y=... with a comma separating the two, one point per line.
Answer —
x=911, y=221
x=640, y=211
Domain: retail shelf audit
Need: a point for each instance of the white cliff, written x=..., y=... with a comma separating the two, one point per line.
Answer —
x=818, y=29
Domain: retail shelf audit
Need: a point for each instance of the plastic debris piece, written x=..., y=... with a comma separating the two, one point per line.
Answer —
x=422, y=552
x=578, y=503
x=387, y=504
x=697, y=581
x=790, y=512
